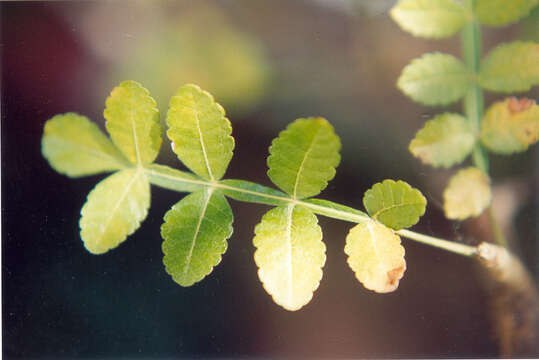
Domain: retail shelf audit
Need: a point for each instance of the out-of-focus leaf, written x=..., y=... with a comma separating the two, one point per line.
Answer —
x=444, y=141
x=303, y=158
x=173, y=179
x=395, y=204
x=200, y=45
x=502, y=12
x=429, y=18
x=510, y=126
x=133, y=122
x=467, y=194
x=75, y=146
x=290, y=255
x=376, y=256
x=195, y=233
x=200, y=132
x=435, y=79
x=251, y=192
x=114, y=210
x=511, y=67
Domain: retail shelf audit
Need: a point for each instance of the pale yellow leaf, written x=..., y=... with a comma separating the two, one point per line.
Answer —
x=376, y=256
x=290, y=255
x=114, y=210
x=467, y=194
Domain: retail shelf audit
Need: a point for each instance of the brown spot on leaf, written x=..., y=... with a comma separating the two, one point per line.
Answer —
x=515, y=105
x=394, y=275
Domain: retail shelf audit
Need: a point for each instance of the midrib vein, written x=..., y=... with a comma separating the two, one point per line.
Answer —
x=134, y=132
x=197, y=230
x=303, y=163
x=203, y=146
x=120, y=200
x=371, y=232
x=288, y=236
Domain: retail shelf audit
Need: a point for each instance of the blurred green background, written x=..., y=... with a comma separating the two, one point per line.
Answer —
x=267, y=63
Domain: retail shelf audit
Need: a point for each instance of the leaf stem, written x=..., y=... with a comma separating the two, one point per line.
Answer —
x=351, y=215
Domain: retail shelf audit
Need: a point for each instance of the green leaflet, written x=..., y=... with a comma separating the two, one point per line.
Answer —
x=467, y=194
x=376, y=256
x=290, y=255
x=435, y=79
x=251, y=192
x=195, y=233
x=75, y=146
x=303, y=158
x=510, y=126
x=502, y=12
x=444, y=141
x=200, y=132
x=394, y=204
x=511, y=67
x=114, y=209
x=334, y=210
x=429, y=18
x=173, y=179
x=133, y=122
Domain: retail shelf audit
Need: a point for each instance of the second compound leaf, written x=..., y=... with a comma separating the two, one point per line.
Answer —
x=502, y=12
x=114, y=209
x=444, y=141
x=195, y=233
x=511, y=67
x=133, y=122
x=200, y=132
x=290, y=255
x=467, y=194
x=395, y=204
x=510, y=126
x=435, y=79
x=376, y=256
x=304, y=157
x=429, y=18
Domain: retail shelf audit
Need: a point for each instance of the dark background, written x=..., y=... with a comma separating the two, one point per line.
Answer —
x=339, y=61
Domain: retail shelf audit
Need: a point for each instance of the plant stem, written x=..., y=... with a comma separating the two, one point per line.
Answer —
x=474, y=106
x=473, y=101
x=351, y=215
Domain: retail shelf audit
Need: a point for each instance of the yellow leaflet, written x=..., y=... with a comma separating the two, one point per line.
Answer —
x=376, y=256
x=467, y=194
x=290, y=255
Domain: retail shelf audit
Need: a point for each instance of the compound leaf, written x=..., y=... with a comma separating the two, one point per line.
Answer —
x=114, y=209
x=429, y=18
x=290, y=255
x=444, y=141
x=304, y=157
x=502, y=12
x=395, y=204
x=467, y=194
x=75, y=146
x=195, y=233
x=435, y=79
x=510, y=126
x=133, y=122
x=200, y=132
x=376, y=256
x=511, y=67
